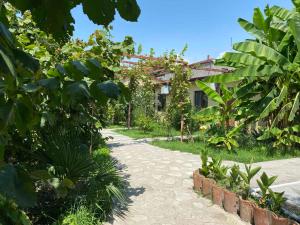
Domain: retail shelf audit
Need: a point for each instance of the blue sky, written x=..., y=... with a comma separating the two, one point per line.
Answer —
x=207, y=26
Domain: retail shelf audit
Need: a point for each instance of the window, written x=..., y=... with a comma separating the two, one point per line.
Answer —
x=162, y=99
x=201, y=100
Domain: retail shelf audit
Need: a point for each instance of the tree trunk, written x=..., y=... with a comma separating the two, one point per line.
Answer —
x=129, y=116
x=181, y=128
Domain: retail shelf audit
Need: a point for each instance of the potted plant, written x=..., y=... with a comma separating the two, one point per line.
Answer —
x=219, y=174
x=246, y=207
x=262, y=214
x=204, y=171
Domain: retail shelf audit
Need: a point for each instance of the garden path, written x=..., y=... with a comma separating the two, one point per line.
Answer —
x=161, y=186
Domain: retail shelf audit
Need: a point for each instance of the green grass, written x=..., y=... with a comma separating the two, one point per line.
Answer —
x=138, y=134
x=247, y=154
x=115, y=126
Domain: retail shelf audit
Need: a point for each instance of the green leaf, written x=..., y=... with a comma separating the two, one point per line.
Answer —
x=282, y=95
x=280, y=115
x=268, y=109
x=6, y=35
x=252, y=29
x=30, y=88
x=258, y=19
x=27, y=61
x=212, y=94
x=16, y=184
x=296, y=4
x=295, y=107
x=101, y=12
x=242, y=58
x=8, y=63
x=294, y=138
x=77, y=91
x=294, y=24
x=207, y=114
x=49, y=83
x=281, y=13
x=261, y=51
x=110, y=89
x=236, y=75
x=128, y=9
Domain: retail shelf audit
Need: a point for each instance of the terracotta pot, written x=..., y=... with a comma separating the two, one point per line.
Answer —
x=262, y=216
x=276, y=220
x=217, y=195
x=230, y=202
x=207, y=187
x=198, y=178
x=246, y=210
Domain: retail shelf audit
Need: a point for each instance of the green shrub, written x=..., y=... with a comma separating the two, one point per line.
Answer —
x=80, y=216
x=145, y=123
x=103, y=189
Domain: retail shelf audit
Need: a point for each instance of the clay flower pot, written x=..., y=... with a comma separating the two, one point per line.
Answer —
x=217, y=195
x=198, y=178
x=207, y=187
x=276, y=220
x=230, y=202
x=262, y=216
x=246, y=210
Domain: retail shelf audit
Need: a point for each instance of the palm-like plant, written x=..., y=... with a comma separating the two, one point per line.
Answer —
x=268, y=68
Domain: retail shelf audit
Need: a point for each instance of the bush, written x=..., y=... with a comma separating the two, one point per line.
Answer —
x=145, y=123
x=80, y=216
x=103, y=189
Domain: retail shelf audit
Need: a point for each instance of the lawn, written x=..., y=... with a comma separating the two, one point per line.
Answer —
x=247, y=154
x=138, y=134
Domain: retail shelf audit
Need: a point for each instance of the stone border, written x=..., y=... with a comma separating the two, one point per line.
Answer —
x=232, y=203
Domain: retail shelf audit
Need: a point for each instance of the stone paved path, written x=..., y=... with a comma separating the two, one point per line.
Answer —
x=161, y=187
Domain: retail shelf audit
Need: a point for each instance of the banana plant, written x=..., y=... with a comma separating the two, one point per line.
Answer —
x=224, y=107
x=267, y=68
x=247, y=177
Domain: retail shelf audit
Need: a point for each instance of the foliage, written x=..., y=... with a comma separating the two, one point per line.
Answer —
x=104, y=186
x=145, y=123
x=205, y=169
x=218, y=171
x=247, y=177
x=80, y=215
x=267, y=69
x=55, y=17
x=11, y=214
x=53, y=101
x=270, y=199
x=234, y=177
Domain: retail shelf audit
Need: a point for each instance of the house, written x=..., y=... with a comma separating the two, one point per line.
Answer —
x=200, y=70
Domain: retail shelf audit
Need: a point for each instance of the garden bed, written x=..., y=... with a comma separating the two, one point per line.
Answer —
x=247, y=210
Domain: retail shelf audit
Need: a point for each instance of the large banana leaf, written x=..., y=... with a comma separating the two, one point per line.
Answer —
x=208, y=114
x=212, y=94
x=280, y=115
x=282, y=95
x=242, y=58
x=242, y=73
x=294, y=24
x=281, y=13
x=262, y=51
x=268, y=109
x=258, y=19
x=279, y=24
x=252, y=29
x=295, y=107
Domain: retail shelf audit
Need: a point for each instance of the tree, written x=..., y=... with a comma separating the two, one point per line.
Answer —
x=54, y=16
x=267, y=69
